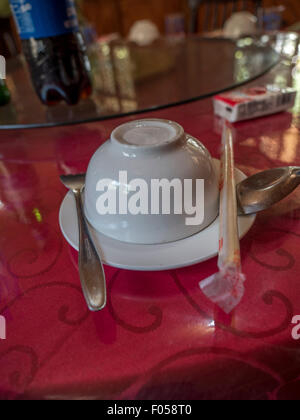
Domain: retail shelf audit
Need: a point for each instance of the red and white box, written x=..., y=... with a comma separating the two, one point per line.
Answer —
x=254, y=102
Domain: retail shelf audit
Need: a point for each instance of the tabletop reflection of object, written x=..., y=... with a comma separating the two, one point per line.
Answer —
x=131, y=79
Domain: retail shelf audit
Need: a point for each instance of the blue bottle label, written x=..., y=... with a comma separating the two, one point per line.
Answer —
x=44, y=18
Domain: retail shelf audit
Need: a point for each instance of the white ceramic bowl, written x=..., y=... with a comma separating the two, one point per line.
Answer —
x=144, y=32
x=241, y=24
x=146, y=150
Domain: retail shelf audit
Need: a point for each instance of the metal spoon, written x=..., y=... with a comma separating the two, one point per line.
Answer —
x=265, y=189
x=91, y=271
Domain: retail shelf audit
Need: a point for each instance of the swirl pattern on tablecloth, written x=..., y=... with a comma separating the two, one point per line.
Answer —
x=62, y=311
x=18, y=378
x=191, y=378
x=30, y=262
x=154, y=310
x=268, y=299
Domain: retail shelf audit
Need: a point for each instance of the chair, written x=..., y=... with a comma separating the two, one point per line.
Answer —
x=216, y=12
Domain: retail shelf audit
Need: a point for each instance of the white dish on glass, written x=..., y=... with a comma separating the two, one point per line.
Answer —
x=182, y=253
x=144, y=32
x=151, y=150
x=241, y=24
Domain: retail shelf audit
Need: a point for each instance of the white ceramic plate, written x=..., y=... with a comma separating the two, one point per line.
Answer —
x=190, y=251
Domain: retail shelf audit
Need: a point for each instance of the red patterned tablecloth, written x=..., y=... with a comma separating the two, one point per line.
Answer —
x=158, y=337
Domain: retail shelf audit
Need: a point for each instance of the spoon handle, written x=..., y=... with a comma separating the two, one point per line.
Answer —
x=91, y=271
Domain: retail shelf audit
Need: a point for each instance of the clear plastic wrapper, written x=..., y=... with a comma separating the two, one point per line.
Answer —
x=226, y=288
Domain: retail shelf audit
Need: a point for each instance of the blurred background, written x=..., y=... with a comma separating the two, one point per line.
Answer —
x=119, y=16
x=132, y=55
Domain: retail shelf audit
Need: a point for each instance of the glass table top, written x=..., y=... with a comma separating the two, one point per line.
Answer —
x=129, y=79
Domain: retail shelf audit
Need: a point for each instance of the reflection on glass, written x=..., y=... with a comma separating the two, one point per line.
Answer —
x=286, y=44
x=128, y=105
x=107, y=83
x=124, y=74
x=289, y=145
x=128, y=77
x=241, y=66
x=113, y=76
x=38, y=215
x=283, y=147
x=110, y=103
x=244, y=62
x=296, y=85
x=270, y=146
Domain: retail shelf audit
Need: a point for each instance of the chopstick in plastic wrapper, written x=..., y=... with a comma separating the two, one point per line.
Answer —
x=226, y=288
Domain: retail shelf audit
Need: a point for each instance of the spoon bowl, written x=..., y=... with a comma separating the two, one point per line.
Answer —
x=263, y=190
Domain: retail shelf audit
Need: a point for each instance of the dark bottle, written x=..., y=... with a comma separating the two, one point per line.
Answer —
x=54, y=49
x=4, y=93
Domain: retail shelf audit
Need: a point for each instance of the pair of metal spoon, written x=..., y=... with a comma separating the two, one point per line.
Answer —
x=254, y=194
